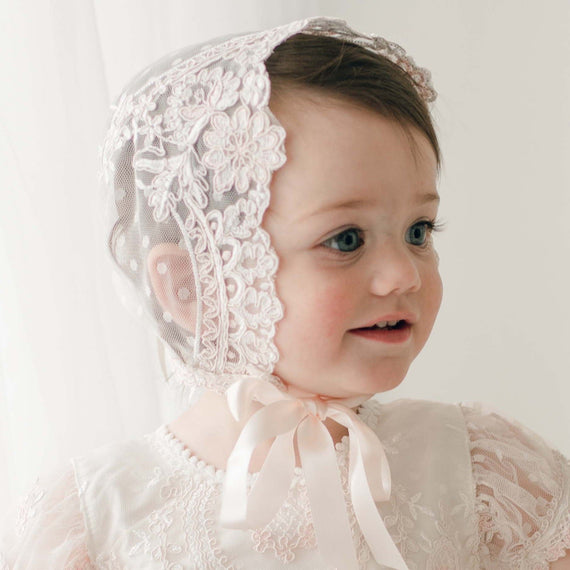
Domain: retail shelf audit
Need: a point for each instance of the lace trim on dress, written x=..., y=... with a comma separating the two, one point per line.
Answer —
x=522, y=492
x=291, y=529
x=169, y=446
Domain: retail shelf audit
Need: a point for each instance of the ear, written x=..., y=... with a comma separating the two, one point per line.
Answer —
x=172, y=280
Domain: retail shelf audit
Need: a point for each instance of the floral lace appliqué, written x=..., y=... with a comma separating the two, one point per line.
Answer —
x=523, y=493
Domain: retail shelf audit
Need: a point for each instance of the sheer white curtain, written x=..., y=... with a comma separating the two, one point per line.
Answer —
x=76, y=370
x=63, y=387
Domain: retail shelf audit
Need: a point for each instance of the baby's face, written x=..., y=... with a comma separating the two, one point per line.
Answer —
x=350, y=218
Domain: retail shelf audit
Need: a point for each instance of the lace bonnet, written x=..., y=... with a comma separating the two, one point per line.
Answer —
x=187, y=162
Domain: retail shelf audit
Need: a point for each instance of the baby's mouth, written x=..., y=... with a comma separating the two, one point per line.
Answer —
x=387, y=325
x=391, y=332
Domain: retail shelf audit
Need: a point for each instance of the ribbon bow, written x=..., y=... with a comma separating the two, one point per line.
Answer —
x=283, y=417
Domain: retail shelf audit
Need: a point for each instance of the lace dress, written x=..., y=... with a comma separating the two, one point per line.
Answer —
x=470, y=490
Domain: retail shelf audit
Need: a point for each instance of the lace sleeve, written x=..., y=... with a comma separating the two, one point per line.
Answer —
x=47, y=531
x=522, y=490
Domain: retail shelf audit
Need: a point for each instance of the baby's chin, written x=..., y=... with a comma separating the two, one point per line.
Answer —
x=300, y=390
x=361, y=384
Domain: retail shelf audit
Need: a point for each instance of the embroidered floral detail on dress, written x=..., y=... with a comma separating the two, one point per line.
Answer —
x=108, y=562
x=191, y=498
x=183, y=528
x=171, y=515
x=291, y=529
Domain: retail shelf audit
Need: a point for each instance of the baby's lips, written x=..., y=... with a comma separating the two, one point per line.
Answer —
x=408, y=317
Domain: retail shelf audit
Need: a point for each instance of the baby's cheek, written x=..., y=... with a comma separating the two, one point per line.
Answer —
x=331, y=309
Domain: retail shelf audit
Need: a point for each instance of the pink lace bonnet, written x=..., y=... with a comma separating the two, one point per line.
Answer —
x=188, y=160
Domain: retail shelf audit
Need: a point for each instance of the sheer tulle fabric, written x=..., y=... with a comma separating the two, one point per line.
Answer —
x=49, y=530
x=520, y=497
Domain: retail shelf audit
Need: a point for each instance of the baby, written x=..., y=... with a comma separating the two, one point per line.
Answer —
x=275, y=196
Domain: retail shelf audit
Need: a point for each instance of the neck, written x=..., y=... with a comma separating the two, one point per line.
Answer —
x=210, y=431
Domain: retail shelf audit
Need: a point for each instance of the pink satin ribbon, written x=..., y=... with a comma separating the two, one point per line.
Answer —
x=283, y=417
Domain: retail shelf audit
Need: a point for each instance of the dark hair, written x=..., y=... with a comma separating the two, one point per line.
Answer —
x=346, y=70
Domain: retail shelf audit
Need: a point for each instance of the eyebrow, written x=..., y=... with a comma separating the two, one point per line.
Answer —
x=427, y=198
x=352, y=204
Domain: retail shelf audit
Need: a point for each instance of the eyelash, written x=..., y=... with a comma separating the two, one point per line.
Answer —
x=432, y=226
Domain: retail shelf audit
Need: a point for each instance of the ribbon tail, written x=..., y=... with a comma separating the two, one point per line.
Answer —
x=370, y=482
x=268, y=422
x=273, y=481
x=371, y=524
x=326, y=495
x=366, y=449
x=373, y=528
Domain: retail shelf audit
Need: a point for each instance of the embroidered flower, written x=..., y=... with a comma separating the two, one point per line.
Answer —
x=444, y=555
x=217, y=91
x=255, y=263
x=165, y=194
x=242, y=149
x=256, y=87
x=257, y=351
x=143, y=105
x=240, y=218
x=260, y=309
x=151, y=128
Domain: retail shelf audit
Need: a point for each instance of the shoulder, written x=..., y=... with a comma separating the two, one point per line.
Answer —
x=519, y=483
x=123, y=485
x=423, y=439
x=407, y=427
x=522, y=490
x=116, y=459
x=121, y=473
x=406, y=408
x=415, y=420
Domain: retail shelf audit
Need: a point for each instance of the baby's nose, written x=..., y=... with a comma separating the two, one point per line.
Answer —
x=395, y=270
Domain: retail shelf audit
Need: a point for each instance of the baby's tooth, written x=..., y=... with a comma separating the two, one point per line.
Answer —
x=393, y=323
x=381, y=325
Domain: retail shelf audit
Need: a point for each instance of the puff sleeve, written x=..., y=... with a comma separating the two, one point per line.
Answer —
x=522, y=492
x=47, y=531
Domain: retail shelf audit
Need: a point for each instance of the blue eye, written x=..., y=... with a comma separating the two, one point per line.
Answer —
x=418, y=234
x=345, y=241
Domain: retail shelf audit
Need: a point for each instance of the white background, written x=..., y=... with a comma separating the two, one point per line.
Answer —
x=77, y=371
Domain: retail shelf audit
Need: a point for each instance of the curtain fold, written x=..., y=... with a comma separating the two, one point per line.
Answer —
x=64, y=389
x=76, y=369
